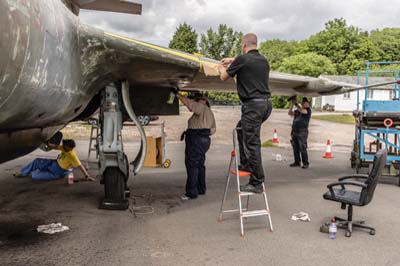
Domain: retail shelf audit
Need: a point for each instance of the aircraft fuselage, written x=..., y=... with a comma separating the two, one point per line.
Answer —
x=40, y=73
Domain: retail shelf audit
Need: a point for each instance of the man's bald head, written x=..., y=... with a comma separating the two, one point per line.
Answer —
x=249, y=42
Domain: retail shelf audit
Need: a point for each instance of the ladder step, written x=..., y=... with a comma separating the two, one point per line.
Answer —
x=255, y=213
x=233, y=210
x=241, y=173
x=249, y=193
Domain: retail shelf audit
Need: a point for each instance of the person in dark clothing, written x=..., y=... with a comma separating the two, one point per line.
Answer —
x=201, y=126
x=301, y=118
x=252, y=74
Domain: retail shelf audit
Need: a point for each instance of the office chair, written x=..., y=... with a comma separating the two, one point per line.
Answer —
x=340, y=191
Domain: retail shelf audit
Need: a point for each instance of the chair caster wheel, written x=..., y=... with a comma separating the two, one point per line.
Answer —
x=348, y=234
x=372, y=232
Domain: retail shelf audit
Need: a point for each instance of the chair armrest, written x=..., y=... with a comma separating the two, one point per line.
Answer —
x=353, y=176
x=342, y=184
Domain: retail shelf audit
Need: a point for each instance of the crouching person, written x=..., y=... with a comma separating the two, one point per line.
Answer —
x=201, y=126
x=52, y=169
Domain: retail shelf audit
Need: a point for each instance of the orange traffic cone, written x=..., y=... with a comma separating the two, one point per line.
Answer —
x=275, y=137
x=328, y=152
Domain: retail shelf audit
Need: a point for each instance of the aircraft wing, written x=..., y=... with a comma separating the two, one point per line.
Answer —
x=120, y=6
x=146, y=64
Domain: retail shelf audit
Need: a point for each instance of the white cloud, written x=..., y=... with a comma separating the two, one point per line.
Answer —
x=290, y=20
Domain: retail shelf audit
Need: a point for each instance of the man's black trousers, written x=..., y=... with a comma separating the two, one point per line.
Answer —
x=299, y=143
x=197, y=144
x=254, y=113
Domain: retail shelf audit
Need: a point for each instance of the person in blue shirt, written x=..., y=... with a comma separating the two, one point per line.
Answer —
x=301, y=114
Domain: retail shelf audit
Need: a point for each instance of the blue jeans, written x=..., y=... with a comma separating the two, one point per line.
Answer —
x=44, y=169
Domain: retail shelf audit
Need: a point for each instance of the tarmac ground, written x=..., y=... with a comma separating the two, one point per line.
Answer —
x=161, y=229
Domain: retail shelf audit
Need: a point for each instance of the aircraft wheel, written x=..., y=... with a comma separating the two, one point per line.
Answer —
x=114, y=183
x=372, y=232
x=348, y=234
x=167, y=163
x=144, y=120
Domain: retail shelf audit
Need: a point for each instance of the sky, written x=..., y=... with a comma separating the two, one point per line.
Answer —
x=269, y=19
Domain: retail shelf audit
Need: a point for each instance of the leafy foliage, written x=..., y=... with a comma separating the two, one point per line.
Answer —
x=184, y=39
x=222, y=43
x=276, y=50
x=309, y=64
x=346, y=46
x=388, y=43
x=219, y=44
x=280, y=102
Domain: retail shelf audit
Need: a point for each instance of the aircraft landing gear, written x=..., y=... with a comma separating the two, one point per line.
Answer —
x=113, y=162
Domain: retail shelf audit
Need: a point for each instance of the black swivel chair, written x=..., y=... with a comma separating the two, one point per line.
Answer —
x=353, y=197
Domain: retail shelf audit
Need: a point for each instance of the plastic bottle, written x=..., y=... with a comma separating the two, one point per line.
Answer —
x=332, y=229
x=171, y=98
x=70, y=177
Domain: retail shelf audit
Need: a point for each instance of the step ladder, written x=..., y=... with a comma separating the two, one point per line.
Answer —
x=94, y=134
x=243, y=212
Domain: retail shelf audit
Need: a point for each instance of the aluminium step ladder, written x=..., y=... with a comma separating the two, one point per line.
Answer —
x=243, y=212
x=94, y=135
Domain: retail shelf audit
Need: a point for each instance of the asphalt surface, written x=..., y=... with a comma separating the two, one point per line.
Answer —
x=160, y=229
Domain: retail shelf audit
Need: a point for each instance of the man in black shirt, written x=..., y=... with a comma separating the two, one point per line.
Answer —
x=301, y=118
x=252, y=74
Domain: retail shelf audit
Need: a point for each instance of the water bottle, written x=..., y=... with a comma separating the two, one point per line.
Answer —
x=332, y=229
x=70, y=177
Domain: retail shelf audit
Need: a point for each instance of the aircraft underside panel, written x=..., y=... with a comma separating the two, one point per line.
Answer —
x=19, y=143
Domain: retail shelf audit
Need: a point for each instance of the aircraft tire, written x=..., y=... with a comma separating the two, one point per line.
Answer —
x=114, y=185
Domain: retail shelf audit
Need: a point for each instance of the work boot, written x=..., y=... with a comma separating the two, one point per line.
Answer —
x=251, y=188
x=294, y=164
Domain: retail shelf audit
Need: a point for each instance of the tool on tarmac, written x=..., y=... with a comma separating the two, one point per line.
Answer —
x=233, y=170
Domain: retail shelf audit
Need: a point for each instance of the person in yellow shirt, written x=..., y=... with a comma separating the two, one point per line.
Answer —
x=50, y=169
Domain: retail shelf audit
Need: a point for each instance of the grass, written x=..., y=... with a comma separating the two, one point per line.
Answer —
x=343, y=118
x=267, y=143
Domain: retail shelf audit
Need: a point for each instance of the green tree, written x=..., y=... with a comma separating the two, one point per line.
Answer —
x=276, y=50
x=336, y=42
x=388, y=43
x=184, y=39
x=308, y=64
x=222, y=43
x=280, y=101
x=225, y=42
x=367, y=51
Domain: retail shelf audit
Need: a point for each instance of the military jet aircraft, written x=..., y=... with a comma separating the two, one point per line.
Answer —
x=55, y=70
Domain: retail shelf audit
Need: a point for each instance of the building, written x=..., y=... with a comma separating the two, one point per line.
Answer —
x=348, y=101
